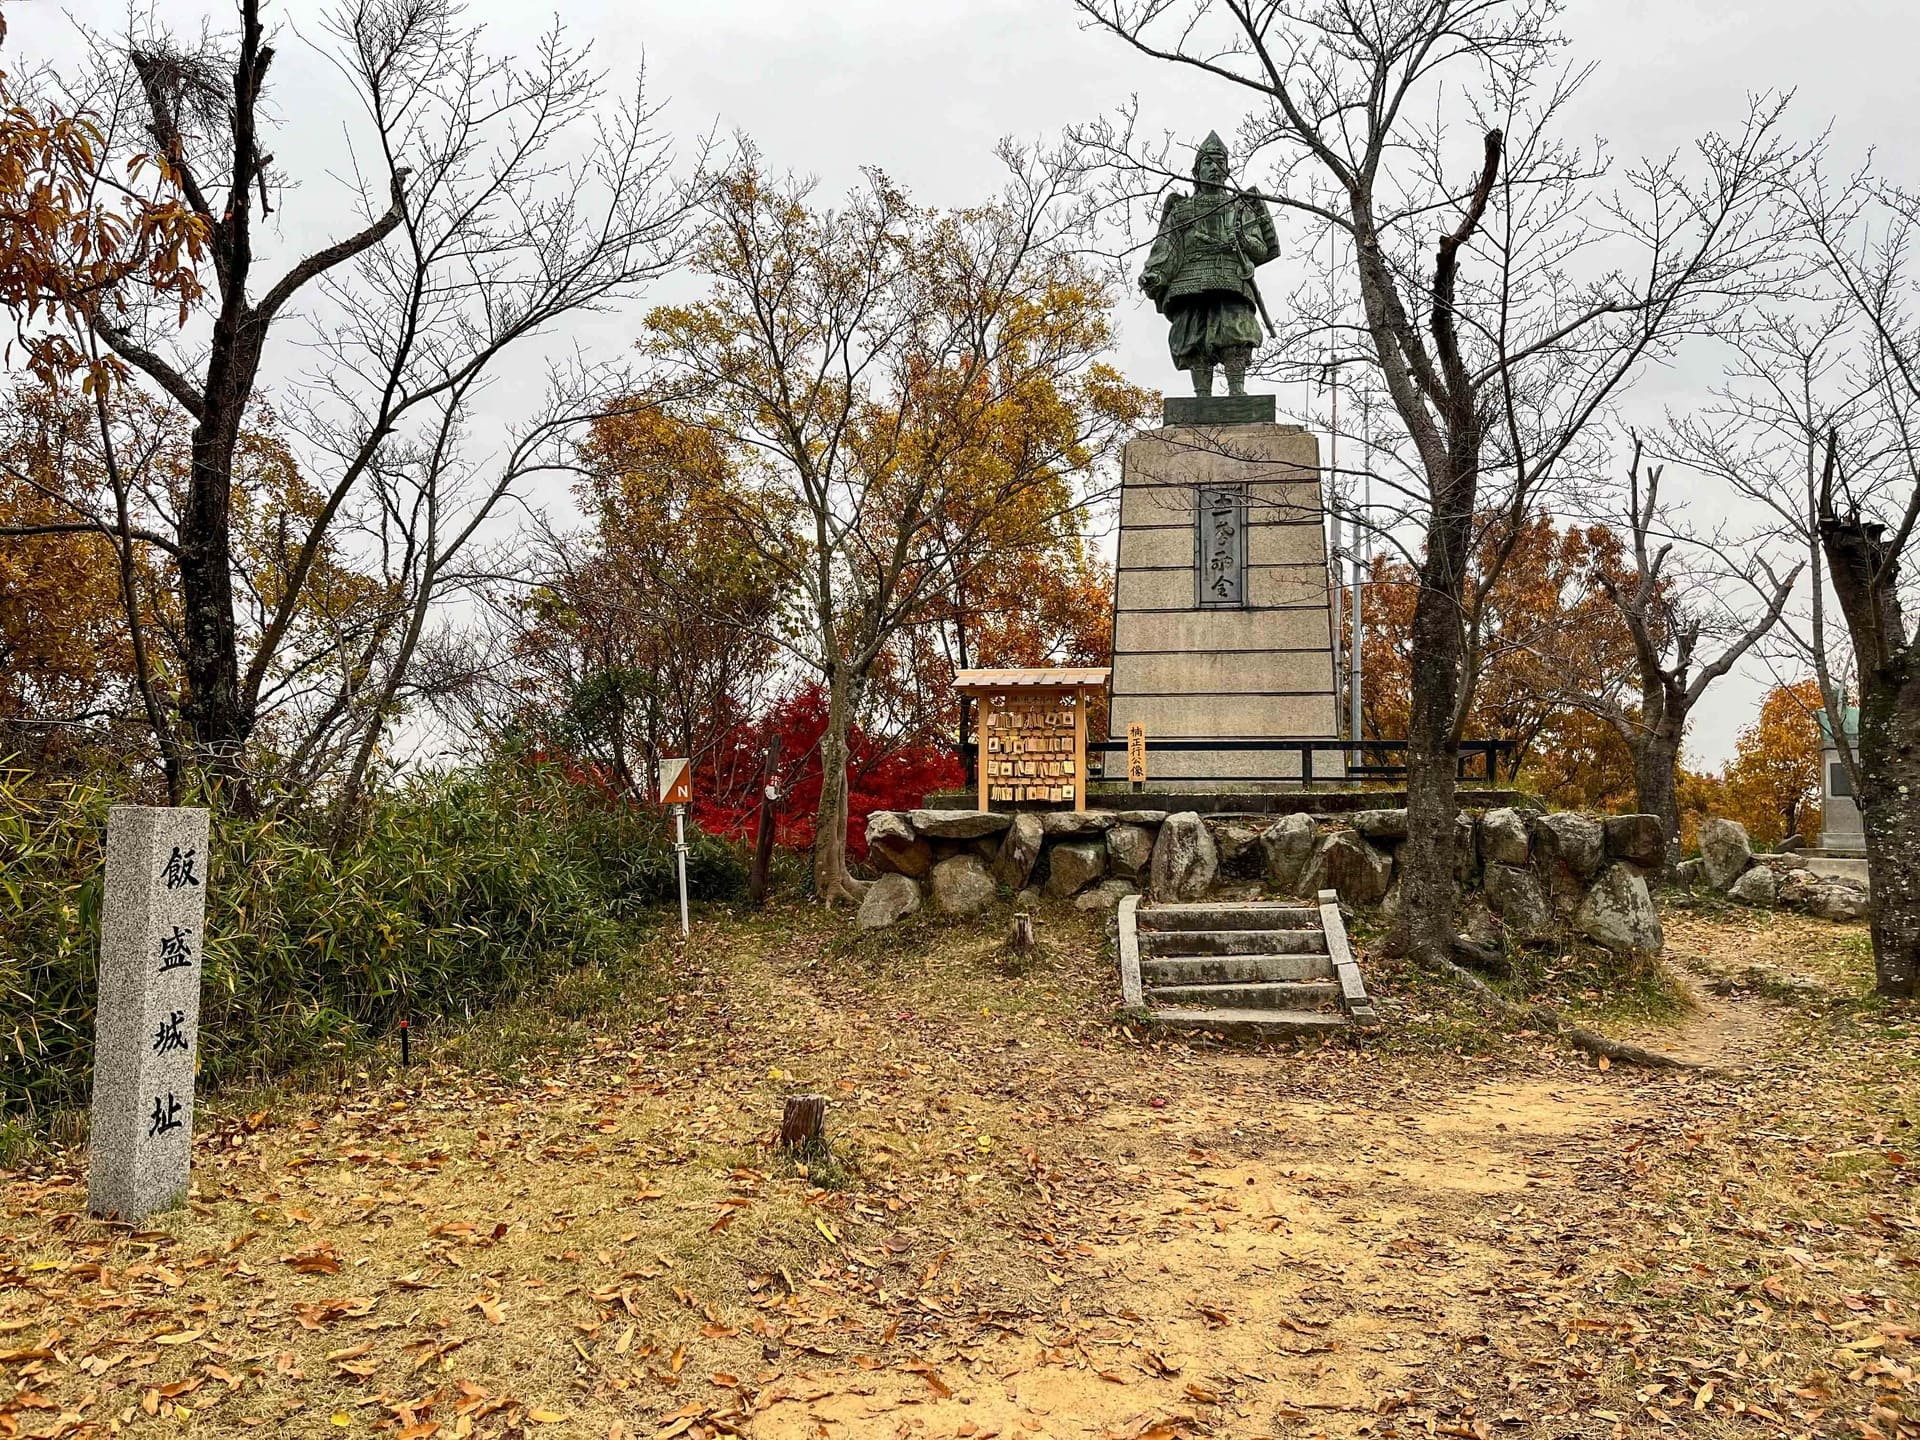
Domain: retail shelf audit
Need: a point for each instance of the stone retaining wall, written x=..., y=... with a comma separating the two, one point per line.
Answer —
x=1530, y=877
x=1544, y=876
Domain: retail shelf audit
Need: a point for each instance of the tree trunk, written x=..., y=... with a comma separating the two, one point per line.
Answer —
x=1656, y=763
x=1427, y=890
x=1890, y=772
x=1865, y=567
x=769, y=816
x=831, y=882
x=210, y=654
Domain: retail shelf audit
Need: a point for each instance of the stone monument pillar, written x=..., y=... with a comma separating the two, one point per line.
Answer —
x=152, y=929
x=1222, y=628
x=1842, y=832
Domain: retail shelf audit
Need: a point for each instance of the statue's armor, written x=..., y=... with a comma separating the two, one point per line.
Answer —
x=1211, y=239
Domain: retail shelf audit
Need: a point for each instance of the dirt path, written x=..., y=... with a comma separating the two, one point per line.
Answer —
x=1724, y=1032
x=1033, y=1226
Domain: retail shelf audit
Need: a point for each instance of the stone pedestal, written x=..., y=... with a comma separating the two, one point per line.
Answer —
x=1222, y=628
x=152, y=929
x=1842, y=833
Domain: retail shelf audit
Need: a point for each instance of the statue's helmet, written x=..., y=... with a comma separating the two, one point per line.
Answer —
x=1212, y=148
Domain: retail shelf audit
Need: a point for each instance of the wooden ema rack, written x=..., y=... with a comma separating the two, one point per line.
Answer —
x=1031, y=733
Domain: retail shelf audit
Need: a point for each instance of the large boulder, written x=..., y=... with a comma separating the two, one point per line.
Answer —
x=1516, y=894
x=958, y=824
x=1236, y=841
x=1286, y=847
x=893, y=848
x=889, y=899
x=1381, y=824
x=1575, y=841
x=1503, y=837
x=1839, y=900
x=1075, y=824
x=1759, y=886
x=1105, y=896
x=1725, y=852
x=1618, y=913
x=1072, y=865
x=1818, y=895
x=1184, y=860
x=1019, y=851
x=1638, y=839
x=1129, y=850
x=963, y=886
x=1347, y=864
x=1793, y=888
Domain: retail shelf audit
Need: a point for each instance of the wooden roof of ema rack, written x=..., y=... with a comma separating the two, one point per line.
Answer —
x=1039, y=677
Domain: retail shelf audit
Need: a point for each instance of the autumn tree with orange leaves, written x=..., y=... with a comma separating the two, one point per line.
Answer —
x=1772, y=784
x=1542, y=615
x=924, y=392
x=651, y=633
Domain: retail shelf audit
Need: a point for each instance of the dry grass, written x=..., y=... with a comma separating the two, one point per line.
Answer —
x=1035, y=1222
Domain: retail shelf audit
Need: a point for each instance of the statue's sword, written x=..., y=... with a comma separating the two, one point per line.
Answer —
x=1252, y=284
x=1261, y=301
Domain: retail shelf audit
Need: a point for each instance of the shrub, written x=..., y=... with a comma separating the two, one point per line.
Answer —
x=461, y=890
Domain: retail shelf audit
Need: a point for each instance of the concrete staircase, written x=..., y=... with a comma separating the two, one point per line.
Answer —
x=1257, y=966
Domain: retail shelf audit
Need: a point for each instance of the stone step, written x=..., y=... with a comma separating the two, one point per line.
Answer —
x=1269, y=995
x=1260, y=1022
x=1233, y=969
x=1258, y=915
x=1232, y=942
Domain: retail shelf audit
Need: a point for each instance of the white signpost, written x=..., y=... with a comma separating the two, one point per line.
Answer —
x=146, y=1027
x=676, y=789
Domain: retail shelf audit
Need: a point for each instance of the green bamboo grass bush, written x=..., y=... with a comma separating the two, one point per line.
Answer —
x=459, y=891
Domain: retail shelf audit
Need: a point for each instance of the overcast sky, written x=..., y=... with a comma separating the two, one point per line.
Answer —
x=924, y=88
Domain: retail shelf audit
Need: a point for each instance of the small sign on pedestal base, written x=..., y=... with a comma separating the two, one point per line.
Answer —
x=146, y=1029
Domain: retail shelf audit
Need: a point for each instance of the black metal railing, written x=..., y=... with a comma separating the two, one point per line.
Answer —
x=1478, y=759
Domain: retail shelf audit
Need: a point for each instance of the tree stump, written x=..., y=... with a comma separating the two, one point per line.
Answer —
x=1022, y=938
x=804, y=1122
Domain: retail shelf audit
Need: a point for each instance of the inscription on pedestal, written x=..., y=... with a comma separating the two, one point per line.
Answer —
x=1220, y=547
x=146, y=1028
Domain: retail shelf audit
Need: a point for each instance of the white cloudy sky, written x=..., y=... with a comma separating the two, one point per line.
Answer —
x=923, y=88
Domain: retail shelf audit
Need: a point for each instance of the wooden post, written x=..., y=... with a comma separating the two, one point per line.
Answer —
x=1080, y=747
x=980, y=710
x=1022, y=938
x=803, y=1122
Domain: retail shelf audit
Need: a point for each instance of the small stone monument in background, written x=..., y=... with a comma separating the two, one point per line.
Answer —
x=152, y=929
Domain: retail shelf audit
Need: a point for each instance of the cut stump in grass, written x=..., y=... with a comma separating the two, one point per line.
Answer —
x=804, y=1122
x=1022, y=938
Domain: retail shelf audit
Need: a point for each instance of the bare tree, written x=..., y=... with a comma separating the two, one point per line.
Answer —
x=1672, y=608
x=474, y=232
x=1791, y=385
x=1502, y=313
